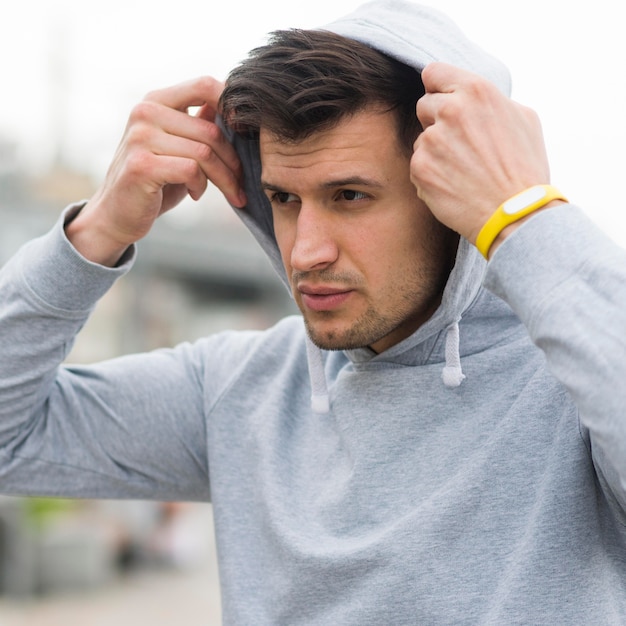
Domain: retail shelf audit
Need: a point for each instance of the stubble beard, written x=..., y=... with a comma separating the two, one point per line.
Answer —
x=357, y=334
x=421, y=294
x=365, y=330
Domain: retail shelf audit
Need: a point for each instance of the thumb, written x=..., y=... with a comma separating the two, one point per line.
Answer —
x=439, y=77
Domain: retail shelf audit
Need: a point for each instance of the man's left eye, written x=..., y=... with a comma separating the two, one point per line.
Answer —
x=351, y=195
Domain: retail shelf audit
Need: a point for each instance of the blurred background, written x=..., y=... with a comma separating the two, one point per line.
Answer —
x=71, y=71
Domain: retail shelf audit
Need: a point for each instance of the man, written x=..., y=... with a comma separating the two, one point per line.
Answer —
x=444, y=443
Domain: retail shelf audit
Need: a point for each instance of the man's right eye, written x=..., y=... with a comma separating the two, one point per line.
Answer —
x=283, y=197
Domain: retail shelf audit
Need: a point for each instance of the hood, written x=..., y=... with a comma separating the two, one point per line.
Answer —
x=415, y=35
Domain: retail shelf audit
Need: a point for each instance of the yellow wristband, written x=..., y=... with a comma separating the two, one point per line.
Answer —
x=514, y=209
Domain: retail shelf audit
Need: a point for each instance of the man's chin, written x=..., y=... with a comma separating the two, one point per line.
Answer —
x=334, y=339
x=329, y=344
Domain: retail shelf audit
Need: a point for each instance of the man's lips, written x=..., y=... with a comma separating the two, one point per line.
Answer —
x=323, y=298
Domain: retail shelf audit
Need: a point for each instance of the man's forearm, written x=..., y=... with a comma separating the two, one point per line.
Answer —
x=566, y=280
x=47, y=291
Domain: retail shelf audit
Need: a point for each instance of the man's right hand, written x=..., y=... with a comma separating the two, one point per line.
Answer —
x=165, y=153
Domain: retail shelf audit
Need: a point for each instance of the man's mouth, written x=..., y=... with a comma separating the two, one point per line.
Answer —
x=323, y=297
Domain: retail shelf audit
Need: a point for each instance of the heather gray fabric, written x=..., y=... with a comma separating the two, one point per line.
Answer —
x=500, y=501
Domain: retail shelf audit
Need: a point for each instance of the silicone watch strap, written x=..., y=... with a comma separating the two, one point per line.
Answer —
x=514, y=209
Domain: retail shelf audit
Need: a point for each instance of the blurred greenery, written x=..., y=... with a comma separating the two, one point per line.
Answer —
x=40, y=512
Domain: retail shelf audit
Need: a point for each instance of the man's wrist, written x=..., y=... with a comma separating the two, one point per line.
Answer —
x=511, y=228
x=515, y=209
x=90, y=241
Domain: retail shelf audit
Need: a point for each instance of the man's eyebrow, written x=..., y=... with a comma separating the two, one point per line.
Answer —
x=265, y=186
x=331, y=184
x=350, y=181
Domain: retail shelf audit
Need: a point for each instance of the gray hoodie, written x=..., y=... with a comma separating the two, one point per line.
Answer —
x=491, y=496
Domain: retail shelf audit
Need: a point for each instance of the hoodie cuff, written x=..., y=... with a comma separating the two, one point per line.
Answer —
x=532, y=265
x=60, y=277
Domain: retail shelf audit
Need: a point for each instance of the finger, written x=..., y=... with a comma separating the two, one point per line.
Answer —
x=207, y=112
x=205, y=133
x=179, y=172
x=439, y=77
x=206, y=140
x=197, y=92
x=436, y=106
x=211, y=164
x=427, y=108
x=163, y=171
x=205, y=93
x=195, y=185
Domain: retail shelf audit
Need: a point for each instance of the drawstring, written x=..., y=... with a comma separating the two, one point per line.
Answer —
x=452, y=373
x=320, y=402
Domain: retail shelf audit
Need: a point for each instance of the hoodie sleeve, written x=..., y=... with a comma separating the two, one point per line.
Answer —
x=566, y=280
x=131, y=427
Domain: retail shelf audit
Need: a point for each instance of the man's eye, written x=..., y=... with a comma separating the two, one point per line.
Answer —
x=283, y=197
x=351, y=195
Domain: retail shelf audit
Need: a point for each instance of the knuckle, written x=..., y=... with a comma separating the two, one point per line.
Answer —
x=190, y=169
x=426, y=71
x=208, y=84
x=213, y=133
x=138, y=163
x=208, y=133
x=423, y=159
x=420, y=106
x=139, y=134
x=531, y=115
x=204, y=152
x=142, y=112
x=419, y=163
x=482, y=93
x=153, y=95
x=476, y=87
x=451, y=109
x=430, y=71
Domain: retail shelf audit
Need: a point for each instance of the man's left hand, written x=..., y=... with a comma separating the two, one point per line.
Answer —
x=478, y=148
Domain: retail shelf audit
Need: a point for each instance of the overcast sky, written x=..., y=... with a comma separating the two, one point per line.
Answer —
x=72, y=69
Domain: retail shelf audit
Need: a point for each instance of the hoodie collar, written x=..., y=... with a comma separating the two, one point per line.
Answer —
x=461, y=289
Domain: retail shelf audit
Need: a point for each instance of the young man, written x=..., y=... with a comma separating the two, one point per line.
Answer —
x=437, y=440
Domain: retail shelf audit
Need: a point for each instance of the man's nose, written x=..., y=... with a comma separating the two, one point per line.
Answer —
x=314, y=246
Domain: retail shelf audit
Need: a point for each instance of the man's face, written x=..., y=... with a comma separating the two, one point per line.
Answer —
x=366, y=259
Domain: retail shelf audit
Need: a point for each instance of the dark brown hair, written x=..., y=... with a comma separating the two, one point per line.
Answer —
x=304, y=81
